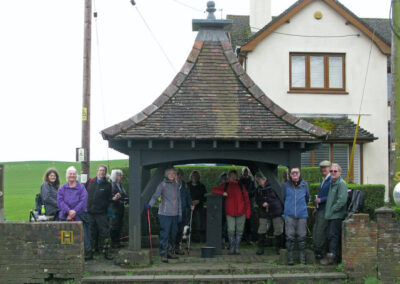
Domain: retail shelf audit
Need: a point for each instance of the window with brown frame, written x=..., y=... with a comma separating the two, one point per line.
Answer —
x=317, y=73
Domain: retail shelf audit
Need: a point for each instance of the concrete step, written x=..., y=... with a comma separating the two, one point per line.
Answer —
x=331, y=277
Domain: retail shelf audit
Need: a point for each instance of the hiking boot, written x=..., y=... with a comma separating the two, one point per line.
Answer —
x=237, y=244
x=302, y=252
x=231, y=245
x=179, y=251
x=278, y=244
x=329, y=259
x=261, y=242
x=172, y=256
x=89, y=255
x=164, y=258
x=290, y=247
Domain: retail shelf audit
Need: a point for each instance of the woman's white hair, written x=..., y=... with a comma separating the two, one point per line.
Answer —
x=115, y=174
x=71, y=169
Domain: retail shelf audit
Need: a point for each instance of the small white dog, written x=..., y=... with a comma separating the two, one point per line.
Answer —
x=186, y=232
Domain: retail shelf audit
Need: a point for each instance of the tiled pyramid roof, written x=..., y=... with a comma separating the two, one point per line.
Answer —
x=213, y=98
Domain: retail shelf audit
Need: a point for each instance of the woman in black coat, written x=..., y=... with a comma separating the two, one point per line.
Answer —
x=48, y=192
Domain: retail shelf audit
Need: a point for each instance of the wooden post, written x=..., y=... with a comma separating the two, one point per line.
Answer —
x=395, y=106
x=1, y=193
x=135, y=208
x=86, y=86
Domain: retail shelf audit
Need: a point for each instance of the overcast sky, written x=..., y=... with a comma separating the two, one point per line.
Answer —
x=41, y=62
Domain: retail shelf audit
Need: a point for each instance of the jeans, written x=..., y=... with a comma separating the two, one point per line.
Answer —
x=295, y=226
x=334, y=233
x=86, y=237
x=168, y=231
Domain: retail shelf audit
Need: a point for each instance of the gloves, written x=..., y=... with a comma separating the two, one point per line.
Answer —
x=283, y=216
x=147, y=206
x=179, y=219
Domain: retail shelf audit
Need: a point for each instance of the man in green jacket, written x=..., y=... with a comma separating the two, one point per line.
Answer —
x=335, y=212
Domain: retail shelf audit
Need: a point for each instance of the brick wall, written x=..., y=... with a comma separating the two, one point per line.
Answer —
x=34, y=252
x=388, y=246
x=372, y=248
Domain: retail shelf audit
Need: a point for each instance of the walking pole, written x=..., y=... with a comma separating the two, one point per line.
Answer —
x=190, y=231
x=151, y=244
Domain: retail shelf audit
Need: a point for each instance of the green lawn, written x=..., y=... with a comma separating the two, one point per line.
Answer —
x=22, y=182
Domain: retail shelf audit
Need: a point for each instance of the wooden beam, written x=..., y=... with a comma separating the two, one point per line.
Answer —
x=150, y=144
x=135, y=207
x=152, y=184
x=146, y=175
x=171, y=144
x=302, y=145
x=259, y=144
x=237, y=144
x=193, y=142
x=281, y=144
x=129, y=143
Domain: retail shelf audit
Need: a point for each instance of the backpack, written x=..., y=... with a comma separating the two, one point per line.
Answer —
x=355, y=202
x=38, y=203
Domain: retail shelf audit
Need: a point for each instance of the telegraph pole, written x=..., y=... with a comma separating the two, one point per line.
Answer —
x=1, y=193
x=87, y=46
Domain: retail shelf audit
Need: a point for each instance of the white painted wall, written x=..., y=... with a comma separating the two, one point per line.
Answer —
x=260, y=14
x=268, y=65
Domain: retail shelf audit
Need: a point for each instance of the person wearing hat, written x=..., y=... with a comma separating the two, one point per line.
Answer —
x=320, y=225
x=270, y=213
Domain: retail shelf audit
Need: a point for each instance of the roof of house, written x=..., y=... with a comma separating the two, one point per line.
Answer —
x=363, y=26
x=213, y=98
x=341, y=128
x=241, y=33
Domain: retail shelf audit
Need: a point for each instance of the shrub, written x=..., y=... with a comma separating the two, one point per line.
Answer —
x=374, y=195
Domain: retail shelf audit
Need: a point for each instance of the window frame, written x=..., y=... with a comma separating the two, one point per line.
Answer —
x=325, y=90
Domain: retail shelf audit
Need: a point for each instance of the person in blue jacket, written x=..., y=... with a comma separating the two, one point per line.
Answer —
x=296, y=195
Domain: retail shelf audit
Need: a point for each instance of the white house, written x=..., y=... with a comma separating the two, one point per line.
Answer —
x=315, y=60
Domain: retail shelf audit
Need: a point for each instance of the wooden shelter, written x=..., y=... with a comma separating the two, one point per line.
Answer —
x=212, y=112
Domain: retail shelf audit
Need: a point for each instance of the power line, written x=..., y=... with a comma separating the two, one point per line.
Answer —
x=187, y=6
x=313, y=36
x=155, y=39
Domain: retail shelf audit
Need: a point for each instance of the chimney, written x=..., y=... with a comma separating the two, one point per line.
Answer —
x=260, y=14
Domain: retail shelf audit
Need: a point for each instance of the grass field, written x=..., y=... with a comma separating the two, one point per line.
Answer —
x=22, y=182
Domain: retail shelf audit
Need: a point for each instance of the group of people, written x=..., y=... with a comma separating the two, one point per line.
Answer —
x=99, y=204
x=330, y=211
x=284, y=209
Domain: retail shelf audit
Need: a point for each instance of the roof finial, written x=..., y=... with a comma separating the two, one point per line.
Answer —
x=211, y=9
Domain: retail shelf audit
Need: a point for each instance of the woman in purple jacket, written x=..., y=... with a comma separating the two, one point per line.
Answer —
x=72, y=200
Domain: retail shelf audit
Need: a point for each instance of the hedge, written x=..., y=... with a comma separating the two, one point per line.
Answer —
x=374, y=195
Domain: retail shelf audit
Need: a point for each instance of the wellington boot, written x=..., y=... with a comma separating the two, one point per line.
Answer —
x=261, y=242
x=231, y=245
x=290, y=247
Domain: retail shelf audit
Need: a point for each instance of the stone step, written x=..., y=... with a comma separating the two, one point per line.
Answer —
x=332, y=277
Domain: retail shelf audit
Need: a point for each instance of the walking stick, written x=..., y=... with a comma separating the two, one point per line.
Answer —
x=151, y=244
x=190, y=231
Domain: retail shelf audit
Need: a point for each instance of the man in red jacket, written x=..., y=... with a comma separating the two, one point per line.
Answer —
x=237, y=209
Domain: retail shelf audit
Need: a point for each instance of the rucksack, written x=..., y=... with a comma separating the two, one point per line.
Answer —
x=38, y=203
x=356, y=202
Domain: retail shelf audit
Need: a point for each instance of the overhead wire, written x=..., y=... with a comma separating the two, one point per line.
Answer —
x=95, y=15
x=188, y=6
x=313, y=36
x=155, y=39
x=393, y=26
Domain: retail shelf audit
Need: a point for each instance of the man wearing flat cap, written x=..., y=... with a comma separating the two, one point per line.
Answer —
x=320, y=225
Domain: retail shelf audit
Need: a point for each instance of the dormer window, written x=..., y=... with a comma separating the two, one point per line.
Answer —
x=317, y=73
